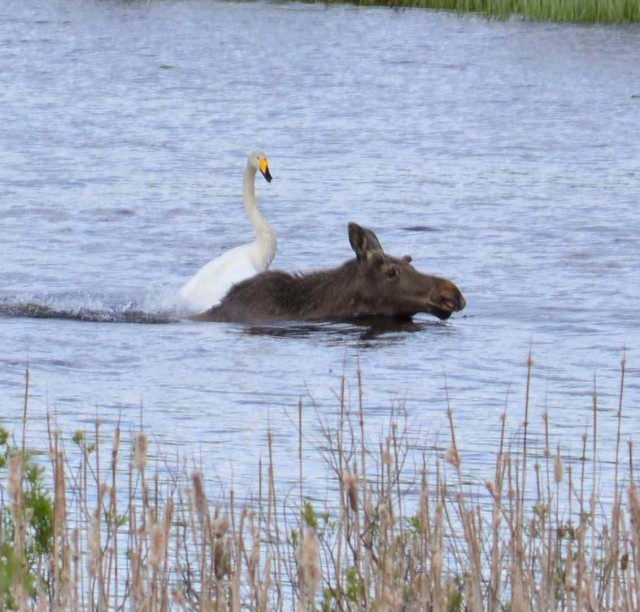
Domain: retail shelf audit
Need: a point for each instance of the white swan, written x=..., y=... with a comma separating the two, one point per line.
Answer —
x=211, y=283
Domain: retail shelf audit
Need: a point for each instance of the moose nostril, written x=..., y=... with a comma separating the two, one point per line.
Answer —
x=454, y=301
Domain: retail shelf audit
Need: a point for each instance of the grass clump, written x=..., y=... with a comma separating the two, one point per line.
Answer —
x=576, y=11
x=26, y=523
x=26, y=526
x=401, y=528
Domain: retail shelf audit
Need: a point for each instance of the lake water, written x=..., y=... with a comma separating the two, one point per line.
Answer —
x=502, y=155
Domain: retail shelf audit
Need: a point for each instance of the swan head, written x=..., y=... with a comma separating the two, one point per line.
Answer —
x=258, y=161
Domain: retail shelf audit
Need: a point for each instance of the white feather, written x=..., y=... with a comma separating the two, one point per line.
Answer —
x=212, y=282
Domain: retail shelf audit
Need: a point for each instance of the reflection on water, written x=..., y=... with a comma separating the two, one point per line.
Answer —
x=361, y=328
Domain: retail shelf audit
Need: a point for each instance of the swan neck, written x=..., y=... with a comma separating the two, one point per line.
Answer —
x=262, y=228
x=249, y=187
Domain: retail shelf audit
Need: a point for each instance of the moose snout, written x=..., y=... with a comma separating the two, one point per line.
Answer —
x=452, y=299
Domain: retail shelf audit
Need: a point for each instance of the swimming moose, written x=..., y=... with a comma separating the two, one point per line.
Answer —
x=373, y=284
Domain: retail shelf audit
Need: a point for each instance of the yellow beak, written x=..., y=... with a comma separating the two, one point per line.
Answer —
x=264, y=169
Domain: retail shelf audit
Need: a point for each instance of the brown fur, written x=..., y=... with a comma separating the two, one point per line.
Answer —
x=373, y=284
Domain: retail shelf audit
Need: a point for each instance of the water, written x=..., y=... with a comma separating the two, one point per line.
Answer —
x=501, y=155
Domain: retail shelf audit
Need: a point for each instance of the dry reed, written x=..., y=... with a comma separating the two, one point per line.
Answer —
x=401, y=534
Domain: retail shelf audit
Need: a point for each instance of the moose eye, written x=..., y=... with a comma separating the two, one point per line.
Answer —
x=392, y=272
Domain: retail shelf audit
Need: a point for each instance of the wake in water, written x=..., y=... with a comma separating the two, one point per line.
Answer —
x=96, y=308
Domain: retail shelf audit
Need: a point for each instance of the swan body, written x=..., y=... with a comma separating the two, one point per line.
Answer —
x=211, y=283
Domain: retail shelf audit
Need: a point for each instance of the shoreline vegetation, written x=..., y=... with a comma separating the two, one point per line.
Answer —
x=574, y=11
x=402, y=528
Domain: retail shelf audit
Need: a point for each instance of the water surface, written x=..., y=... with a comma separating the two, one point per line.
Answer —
x=501, y=155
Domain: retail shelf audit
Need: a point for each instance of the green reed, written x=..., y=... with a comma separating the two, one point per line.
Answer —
x=402, y=528
x=576, y=11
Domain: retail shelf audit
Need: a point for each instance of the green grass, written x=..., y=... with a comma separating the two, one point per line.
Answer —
x=401, y=528
x=576, y=11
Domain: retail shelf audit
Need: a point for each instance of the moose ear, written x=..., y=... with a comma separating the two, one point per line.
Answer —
x=364, y=243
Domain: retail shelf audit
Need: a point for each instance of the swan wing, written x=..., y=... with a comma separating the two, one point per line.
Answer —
x=212, y=282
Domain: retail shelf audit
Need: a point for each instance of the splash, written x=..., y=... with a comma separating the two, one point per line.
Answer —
x=92, y=308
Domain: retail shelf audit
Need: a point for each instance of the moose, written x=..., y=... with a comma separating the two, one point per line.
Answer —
x=373, y=284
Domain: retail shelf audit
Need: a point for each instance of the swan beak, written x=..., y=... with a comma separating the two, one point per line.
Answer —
x=264, y=169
